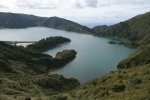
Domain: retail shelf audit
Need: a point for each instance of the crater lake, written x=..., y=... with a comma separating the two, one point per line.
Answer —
x=95, y=56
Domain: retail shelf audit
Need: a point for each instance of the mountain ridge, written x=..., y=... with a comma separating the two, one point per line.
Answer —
x=134, y=29
x=14, y=20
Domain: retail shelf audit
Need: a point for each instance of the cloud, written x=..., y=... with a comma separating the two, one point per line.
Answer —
x=139, y=2
x=86, y=3
x=7, y=3
x=123, y=2
x=2, y=6
x=38, y=4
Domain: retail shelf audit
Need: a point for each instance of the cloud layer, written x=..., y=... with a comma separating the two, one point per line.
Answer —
x=86, y=3
x=79, y=10
x=37, y=4
x=52, y=4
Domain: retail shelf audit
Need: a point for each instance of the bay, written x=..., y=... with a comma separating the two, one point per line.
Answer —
x=95, y=57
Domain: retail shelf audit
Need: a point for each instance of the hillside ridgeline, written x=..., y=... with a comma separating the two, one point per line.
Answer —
x=14, y=20
x=134, y=29
x=137, y=31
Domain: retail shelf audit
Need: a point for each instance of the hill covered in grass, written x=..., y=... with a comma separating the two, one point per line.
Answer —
x=125, y=84
x=134, y=29
x=25, y=73
x=14, y=20
x=63, y=24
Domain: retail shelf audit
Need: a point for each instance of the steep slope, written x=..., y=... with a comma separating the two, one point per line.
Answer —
x=13, y=20
x=63, y=24
x=134, y=29
x=25, y=73
x=140, y=57
x=126, y=84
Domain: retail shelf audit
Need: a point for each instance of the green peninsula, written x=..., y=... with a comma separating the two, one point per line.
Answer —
x=25, y=74
x=48, y=43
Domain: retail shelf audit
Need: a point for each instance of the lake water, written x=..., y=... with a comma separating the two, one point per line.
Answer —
x=95, y=57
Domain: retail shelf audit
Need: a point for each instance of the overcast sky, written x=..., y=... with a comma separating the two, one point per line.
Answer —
x=86, y=12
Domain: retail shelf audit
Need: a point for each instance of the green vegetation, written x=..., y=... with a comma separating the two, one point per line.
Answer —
x=129, y=44
x=125, y=84
x=141, y=57
x=24, y=74
x=63, y=58
x=63, y=24
x=112, y=42
x=48, y=43
x=137, y=31
x=134, y=29
x=126, y=44
x=13, y=20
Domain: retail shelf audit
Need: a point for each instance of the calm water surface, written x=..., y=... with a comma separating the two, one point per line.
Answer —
x=95, y=57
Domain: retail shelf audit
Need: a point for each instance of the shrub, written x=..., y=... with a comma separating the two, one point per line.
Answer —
x=136, y=81
x=120, y=81
x=119, y=77
x=118, y=88
x=103, y=94
x=103, y=80
x=94, y=83
x=27, y=98
x=147, y=72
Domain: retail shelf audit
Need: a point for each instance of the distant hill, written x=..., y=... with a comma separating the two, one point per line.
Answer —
x=134, y=29
x=63, y=24
x=13, y=20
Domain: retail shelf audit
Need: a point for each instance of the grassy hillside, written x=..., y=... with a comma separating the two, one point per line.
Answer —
x=141, y=57
x=126, y=84
x=25, y=73
x=63, y=24
x=14, y=20
x=134, y=29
